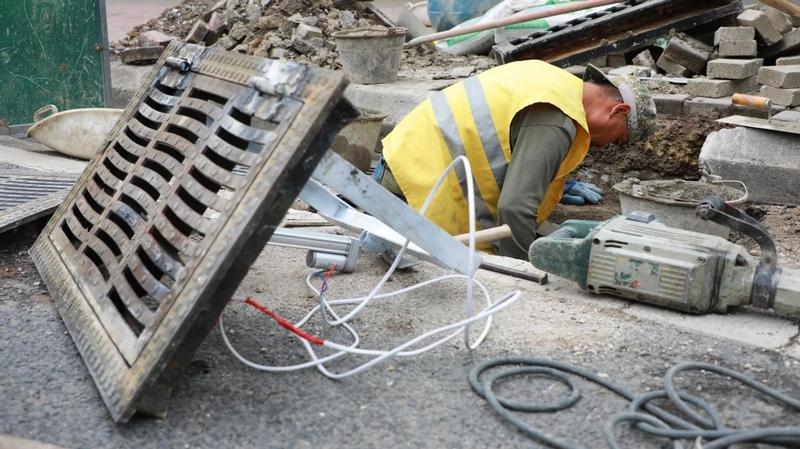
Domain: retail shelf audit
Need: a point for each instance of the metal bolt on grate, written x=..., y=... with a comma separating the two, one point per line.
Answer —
x=160, y=229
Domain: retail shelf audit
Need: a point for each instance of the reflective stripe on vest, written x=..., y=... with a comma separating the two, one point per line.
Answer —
x=449, y=130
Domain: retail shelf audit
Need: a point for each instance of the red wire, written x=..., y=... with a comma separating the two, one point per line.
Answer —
x=284, y=323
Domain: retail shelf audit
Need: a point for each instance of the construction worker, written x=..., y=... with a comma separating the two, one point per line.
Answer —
x=523, y=126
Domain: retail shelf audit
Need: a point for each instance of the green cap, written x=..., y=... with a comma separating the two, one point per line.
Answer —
x=642, y=118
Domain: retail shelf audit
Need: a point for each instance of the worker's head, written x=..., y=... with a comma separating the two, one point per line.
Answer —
x=619, y=109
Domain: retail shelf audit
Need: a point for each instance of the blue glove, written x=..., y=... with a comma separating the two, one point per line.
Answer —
x=578, y=193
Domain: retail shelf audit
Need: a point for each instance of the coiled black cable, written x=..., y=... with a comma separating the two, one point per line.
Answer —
x=648, y=417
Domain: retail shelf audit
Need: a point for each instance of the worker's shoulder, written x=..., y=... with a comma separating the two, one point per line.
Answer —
x=546, y=114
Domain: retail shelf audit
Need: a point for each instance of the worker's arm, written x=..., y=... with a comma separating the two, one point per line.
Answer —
x=541, y=136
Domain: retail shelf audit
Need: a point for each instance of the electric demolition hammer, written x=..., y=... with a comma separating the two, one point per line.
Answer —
x=637, y=258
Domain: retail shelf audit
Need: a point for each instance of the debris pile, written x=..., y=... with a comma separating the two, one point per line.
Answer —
x=732, y=63
x=297, y=30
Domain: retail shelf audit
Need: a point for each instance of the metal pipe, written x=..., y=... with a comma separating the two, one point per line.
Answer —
x=516, y=18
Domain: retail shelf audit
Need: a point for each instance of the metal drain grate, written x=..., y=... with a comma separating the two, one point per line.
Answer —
x=25, y=197
x=162, y=227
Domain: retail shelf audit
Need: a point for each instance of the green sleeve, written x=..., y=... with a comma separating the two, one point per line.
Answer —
x=541, y=136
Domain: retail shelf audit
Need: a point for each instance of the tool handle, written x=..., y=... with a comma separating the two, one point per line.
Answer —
x=487, y=235
x=784, y=6
x=753, y=101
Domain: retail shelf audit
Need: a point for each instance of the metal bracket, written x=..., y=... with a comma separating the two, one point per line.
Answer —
x=768, y=275
x=393, y=219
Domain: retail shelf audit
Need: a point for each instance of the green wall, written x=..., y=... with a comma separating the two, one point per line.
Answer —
x=49, y=55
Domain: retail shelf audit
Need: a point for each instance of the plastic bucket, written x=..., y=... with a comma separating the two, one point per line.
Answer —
x=370, y=55
x=673, y=202
x=357, y=141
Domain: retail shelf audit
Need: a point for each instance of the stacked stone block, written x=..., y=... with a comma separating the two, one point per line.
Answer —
x=736, y=42
x=726, y=77
x=684, y=55
x=781, y=84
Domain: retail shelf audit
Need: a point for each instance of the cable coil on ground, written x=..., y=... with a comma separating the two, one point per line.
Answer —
x=649, y=418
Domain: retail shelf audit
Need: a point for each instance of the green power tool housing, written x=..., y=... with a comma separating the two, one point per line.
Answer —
x=638, y=258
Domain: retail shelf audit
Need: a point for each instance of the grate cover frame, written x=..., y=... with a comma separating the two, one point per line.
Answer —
x=28, y=195
x=162, y=226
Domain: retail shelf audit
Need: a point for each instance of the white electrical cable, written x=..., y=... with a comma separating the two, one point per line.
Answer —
x=325, y=306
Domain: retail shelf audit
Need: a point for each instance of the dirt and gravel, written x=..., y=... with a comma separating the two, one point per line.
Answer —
x=270, y=29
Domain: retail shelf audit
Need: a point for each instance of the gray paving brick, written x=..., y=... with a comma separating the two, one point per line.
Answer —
x=670, y=104
x=779, y=20
x=765, y=30
x=733, y=69
x=672, y=67
x=734, y=34
x=783, y=97
x=783, y=76
x=788, y=60
x=748, y=49
x=705, y=87
x=688, y=52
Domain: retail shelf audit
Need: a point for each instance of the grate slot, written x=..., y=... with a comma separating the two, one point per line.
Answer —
x=183, y=132
x=160, y=102
x=134, y=324
x=162, y=171
x=205, y=95
x=136, y=133
x=113, y=169
x=71, y=237
x=98, y=262
x=133, y=204
x=81, y=218
x=123, y=225
x=230, y=152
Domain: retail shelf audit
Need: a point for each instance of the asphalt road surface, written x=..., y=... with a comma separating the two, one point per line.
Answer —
x=47, y=394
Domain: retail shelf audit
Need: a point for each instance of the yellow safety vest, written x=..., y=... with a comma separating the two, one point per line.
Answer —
x=473, y=118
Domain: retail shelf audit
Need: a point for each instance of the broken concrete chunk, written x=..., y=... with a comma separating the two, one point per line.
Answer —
x=238, y=32
x=226, y=43
x=252, y=12
x=746, y=49
x=670, y=104
x=632, y=70
x=155, y=37
x=307, y=39
x=688, y=52
x=198, y=33
x=645, y=59
x=779, y=20
x=784, y=76
x=734, y=34
x=763, y=25
x=733, y=69
x=788, y=60
x=217, y=7
x=788, y=46
x=462, y=72
x=704, y=87
x=783, y=97
x=141, y=55
x=765, y=161
x=672, y=67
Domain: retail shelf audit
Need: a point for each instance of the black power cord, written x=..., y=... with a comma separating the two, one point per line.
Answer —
x=648, y=417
